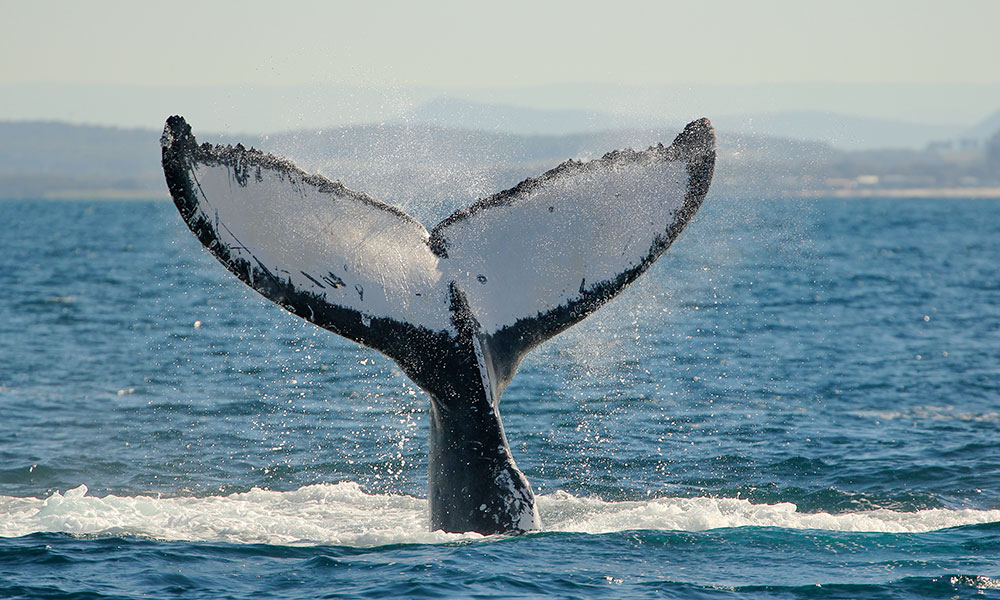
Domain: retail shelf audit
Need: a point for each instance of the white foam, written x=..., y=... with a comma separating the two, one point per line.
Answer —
x=342, y=514
x=565, y=512
x=339, y=514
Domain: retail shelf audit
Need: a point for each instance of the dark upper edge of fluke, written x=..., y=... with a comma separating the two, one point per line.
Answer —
x=696, y=145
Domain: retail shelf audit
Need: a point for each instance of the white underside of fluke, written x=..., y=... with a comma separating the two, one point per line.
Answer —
x=528, y=257
x=352, y=253
x=517, y=258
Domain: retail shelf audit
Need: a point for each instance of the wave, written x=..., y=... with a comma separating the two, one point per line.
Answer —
x=342, y=514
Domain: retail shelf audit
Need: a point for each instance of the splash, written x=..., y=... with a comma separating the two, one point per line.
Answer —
x=565, y=512
x=342, y=514
x=339, y=514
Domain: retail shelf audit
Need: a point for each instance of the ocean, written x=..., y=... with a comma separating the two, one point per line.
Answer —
x=801, y=399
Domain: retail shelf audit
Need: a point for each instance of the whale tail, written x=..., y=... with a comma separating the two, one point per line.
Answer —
x=456, y=307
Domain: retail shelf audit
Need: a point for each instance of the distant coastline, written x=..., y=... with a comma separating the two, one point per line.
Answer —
x=958, y=193
x=406, y=163
x=103, y=194
x=904, y=193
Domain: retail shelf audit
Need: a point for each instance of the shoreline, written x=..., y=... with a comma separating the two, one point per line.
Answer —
x=902, y=193
x=991, y=193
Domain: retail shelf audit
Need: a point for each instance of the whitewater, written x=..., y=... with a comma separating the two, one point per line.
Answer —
x=342, y=514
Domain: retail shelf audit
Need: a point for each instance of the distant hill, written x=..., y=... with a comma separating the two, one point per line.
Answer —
x=420, y=167
x=274, y=108
x=841, y=131
x=431, y=170
x=39, y=159
x=985, y=128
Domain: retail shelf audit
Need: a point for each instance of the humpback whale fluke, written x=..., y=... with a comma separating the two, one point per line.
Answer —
x=457, y=307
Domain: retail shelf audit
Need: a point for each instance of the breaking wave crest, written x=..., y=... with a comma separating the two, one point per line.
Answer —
x=342, y=514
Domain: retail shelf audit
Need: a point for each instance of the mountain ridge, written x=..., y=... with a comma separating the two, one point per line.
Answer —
x=416, y=164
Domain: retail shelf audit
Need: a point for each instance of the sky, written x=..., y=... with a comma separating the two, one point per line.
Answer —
x=451, y=47
x=454, y=44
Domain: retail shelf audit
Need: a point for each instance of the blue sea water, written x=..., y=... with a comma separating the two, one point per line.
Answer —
x=800, y=400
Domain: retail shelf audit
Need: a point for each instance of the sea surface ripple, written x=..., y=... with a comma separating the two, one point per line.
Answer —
x=800, y=400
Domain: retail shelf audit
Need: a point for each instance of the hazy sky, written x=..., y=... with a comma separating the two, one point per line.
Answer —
x=267, y=66
x=510, y=43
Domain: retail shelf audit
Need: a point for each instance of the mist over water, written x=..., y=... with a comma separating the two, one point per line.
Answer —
x=796, y=383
